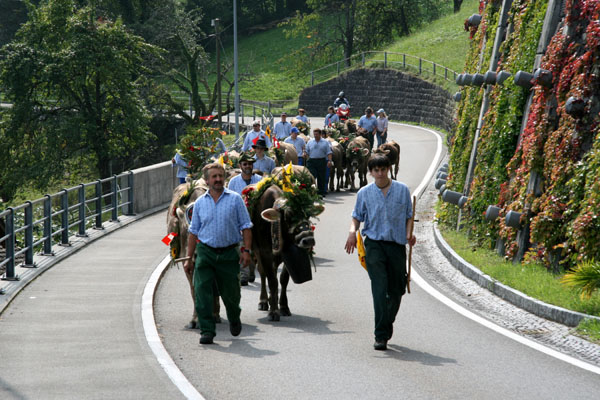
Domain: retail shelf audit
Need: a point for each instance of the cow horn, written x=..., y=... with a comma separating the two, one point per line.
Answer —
x=279, y=203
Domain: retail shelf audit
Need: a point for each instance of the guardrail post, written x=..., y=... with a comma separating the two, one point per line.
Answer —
x=312, y=78
x=10, y=247
x=446, y=73
x=81, y=200
x=420, y=65
x=130, y=193
x=64, y=200
x=385, y=59
x=98, y=204
x=48, y=226
x=253, y=112
x=269, y=106
x=114, y=200
x=28, y=235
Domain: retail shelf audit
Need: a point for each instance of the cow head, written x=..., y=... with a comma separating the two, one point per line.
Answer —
x=355, y=155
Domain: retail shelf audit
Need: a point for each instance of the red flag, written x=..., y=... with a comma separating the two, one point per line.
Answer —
x=207, y=118
x=255, y=140
x=169, y=238
x=275, y=143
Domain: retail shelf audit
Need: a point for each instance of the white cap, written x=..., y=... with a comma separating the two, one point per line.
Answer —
x=381, y=110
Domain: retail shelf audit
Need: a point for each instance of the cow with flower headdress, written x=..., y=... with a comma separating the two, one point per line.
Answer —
x=357, y=156
x=281, y=207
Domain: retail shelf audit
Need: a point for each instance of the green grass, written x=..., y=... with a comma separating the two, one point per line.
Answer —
x=589, y=329
x=531, y=279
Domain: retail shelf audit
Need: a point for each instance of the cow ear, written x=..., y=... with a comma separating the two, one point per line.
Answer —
x=387, y=152
x=319, y=208
x=365, y=152
x=270, y=215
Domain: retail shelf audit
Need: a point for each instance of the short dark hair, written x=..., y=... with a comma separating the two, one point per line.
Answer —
x=369, y=110
x=317, y=130
x=378, y=160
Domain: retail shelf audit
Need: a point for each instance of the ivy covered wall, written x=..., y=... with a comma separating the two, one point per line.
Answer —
x=551, y=171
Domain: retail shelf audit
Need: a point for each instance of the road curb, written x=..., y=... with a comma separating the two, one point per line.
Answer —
x=515, y=297
x=44, y=263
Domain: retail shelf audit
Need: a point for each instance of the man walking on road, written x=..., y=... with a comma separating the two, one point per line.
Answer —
x=385, y=208
x=219, y=221
x=319, y=159
x=368, y=122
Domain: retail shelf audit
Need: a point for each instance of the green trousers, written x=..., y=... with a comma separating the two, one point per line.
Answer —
x=224, y=269
x=386, y=265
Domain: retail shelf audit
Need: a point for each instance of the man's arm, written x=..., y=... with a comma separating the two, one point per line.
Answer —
x=351, y=241
x=245, y=256
x=191, y=248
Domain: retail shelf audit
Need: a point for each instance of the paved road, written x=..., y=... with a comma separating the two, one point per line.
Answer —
x=324, y=350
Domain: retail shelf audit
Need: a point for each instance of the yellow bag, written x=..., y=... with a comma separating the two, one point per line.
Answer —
x=362, y=254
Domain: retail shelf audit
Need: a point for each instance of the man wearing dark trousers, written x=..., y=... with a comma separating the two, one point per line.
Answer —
x=319, y=159
x=219, y=222
x=385, y=207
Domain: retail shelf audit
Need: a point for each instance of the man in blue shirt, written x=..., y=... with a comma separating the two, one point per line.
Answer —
x=254, y=135
x=282, y=128
x=298, y=143
x=301, y=115
x=263, y=162
x=369, y=123
x=219, y=222
x=182, y=165
x=385, y=208
x=319, y=159
x=331, y=117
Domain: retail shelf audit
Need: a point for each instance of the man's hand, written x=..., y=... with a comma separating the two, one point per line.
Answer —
x=350, y=243
x=245, y=258
x=188, y=266
x=411, y=240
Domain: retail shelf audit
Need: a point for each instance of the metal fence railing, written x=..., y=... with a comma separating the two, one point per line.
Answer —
x=37, y=225
x=385, y=59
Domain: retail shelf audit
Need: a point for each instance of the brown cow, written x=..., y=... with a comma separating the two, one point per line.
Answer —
x=289, y=153
x=392, y=152
x=357, y=155
x=338, y=166
x=276, y=240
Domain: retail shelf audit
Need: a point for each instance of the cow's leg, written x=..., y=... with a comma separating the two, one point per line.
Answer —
x=396, y=169
x=273, y=293
x=263, y=304
x=331, y=179
x=193, y=324
x=284, y=279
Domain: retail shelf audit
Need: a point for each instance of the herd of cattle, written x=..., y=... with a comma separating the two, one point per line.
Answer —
x=275, y=239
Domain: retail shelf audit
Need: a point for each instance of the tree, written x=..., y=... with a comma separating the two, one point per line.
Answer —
x=457, y=4
x=72, y=78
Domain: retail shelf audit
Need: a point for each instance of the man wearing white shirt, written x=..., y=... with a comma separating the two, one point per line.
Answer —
x=298, y=143
x=282, y=128
x=254, y=136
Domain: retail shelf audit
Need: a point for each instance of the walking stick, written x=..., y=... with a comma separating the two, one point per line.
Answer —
x=412, y=227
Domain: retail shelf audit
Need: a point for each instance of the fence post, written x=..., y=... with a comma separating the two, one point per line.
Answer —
x=114, y=200
x=10, y=247
x=98, y=204
x=337, y=64
x=363, y=58
x=48, y=226
x=385, y=59
x=269, y=106
x=130, y=192
x=432, y=63
x=81, y=201
x=253, y=112
x=446, y=73
x=28, y=235
x=64, y=200
x=312, y=78
x=403, y=60
x=420, y=65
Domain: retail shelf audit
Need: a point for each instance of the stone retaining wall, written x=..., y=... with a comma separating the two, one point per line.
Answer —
x=404, y=97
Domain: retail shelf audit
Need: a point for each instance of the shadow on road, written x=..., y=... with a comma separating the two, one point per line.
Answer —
x=406, y=354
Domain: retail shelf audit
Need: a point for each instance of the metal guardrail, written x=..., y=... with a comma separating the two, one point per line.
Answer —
x=389, y=60
x=36, y=224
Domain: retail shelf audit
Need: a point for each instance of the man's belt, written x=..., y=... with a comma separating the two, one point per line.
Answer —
x=220, y=250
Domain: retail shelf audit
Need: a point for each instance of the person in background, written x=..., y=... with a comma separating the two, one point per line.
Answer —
x=181, y=164
x=282, y=128
x=263, y=162
x=220, y=221
x=254, y=135
x=298, y=143
x=382, y=127
x=320, y=157
x=385, y=208
x=331, y=117
x=237, y=184
x=369, y=123
x=301, y=116
x=341, y=99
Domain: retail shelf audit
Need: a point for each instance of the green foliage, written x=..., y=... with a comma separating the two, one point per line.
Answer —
x=584, y=277
x=590, y=329
x=73, y=82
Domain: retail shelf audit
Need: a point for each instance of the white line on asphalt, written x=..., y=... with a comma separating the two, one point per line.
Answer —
x=161, y=354
x=472, y=316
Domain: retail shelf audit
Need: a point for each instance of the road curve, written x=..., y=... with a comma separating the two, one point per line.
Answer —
x=324, y=350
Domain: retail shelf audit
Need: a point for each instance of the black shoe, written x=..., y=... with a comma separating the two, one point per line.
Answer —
x=244, y=282
x=380, y=344
x=252, y=277
x=206, y=338
x=235, y=328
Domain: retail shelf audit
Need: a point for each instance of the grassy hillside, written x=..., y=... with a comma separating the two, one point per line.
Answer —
x=443, y=41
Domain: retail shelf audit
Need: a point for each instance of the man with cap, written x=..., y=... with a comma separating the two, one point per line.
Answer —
x=369, y=123
x=298, y=143
x=254, y=135
x=263, y=162
x=282, y=128
x=237, y=184
x=301, y=115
